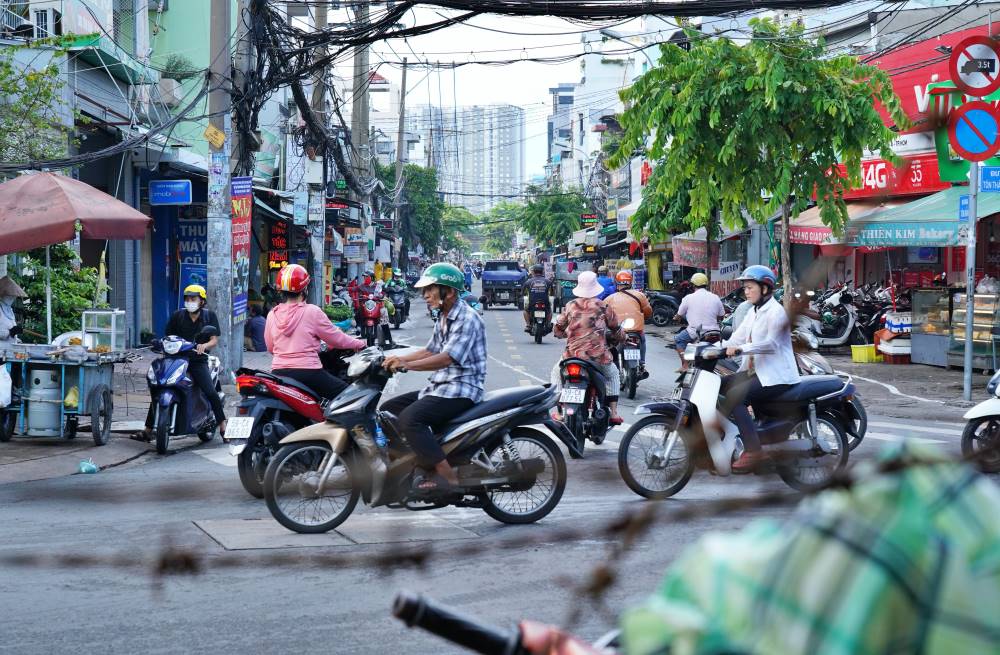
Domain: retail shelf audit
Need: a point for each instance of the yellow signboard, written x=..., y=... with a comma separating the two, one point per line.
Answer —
x=215, y=136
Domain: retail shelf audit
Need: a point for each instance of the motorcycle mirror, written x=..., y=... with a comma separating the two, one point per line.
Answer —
x=206, y=333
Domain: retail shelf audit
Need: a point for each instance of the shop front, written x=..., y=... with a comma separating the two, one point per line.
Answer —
x=691, y=254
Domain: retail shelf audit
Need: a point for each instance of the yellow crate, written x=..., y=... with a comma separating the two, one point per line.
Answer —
x=865, y=355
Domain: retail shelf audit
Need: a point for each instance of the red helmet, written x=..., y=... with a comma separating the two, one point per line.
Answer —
x=624, y=276
x=292, y=278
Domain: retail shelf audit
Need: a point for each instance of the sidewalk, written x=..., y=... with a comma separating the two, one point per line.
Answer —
x=23, y=458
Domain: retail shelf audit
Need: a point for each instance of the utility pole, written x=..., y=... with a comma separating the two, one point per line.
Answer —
x=359, y=109
x=316, y=231
x=970, y=278
x=400, y=151
x=220, y=236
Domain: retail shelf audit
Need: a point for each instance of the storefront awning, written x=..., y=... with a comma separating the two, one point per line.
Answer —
x=701, y=234
x=270, y=212
x=931, y=221
x=808, y=229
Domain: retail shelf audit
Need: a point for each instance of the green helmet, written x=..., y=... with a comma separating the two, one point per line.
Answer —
x=442, y=273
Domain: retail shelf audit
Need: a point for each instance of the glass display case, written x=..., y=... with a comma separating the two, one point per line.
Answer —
x=984, y=322
x=105, y=330
x=931, y=334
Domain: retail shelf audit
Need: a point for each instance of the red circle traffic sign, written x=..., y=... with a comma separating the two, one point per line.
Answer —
x=975, y=65
x=974, y=130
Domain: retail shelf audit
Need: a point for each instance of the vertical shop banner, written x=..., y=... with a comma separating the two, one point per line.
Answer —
x=190, y=274
x=300, y=208
x=327, y=283
x=191, y=241
x=242, y=199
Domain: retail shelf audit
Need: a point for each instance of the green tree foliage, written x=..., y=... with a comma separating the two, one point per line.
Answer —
x=31, y=126
x=500, y=226
x=724, y=122
x=458, y=224
x=73, y=290
x=422, y=207
x=553, y=213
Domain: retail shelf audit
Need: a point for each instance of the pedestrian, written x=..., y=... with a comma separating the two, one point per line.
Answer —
x=702, y=310
x=254, y=329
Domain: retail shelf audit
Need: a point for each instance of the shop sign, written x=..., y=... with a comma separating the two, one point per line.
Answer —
x=192, y=241
x=906, y=234
x=809, y=235
x=612, y=209
x=277, y=255
x=989, y=179
x=170, y=192
x=917, y=175
x=608, y=230
x=690, y=252
x=588, y=220
x=242, y=199
x=354, y=236
x=300, y=208
x=354, y=253
x=336, y=204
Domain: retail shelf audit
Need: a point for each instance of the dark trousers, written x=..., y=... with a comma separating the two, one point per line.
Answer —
x=202, y=378
x=324, y=383
x=419, y=417
x=740, y=390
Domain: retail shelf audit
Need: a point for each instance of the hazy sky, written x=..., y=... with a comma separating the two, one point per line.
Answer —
x=523, y=83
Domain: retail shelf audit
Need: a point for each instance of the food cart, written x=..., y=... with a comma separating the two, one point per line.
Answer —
x=56, y=384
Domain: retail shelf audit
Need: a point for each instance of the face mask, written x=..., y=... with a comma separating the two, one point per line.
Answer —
x=192, y=306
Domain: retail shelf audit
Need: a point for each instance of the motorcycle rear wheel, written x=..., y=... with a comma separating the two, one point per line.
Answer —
x=289, y=488
x=975, y=441
x=574, y=423
x=538, y=333
x=633, y=460
x=813, y=477
x=519, y=507
x=162, y=429
x=632, y=380
x=251, y=464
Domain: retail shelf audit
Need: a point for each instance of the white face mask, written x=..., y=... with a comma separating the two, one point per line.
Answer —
x=192, y=306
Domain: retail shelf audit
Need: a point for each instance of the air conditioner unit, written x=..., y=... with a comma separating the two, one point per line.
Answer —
x=170, y=92
x=47, y=23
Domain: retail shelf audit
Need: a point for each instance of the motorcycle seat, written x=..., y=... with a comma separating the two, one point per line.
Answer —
x=289, y=382
x=499, y=400
x=811, y=386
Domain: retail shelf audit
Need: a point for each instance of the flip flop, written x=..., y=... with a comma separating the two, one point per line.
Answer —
x=142, y=436
x=440, y=484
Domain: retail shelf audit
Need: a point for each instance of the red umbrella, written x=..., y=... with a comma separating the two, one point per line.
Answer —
x=42, y=209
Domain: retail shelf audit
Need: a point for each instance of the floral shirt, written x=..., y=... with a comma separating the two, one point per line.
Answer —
x=585, y=324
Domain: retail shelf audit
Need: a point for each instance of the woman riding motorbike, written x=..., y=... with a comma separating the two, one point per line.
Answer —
x=588, y=324
x=764, y=337
x=294, y=331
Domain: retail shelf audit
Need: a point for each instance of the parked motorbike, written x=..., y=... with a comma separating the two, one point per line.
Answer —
x=541, y=322
x=179, y=406
x=399, y=300
x=803, y=430
x=506, y=466
x=664, y=306
x=272, y=407
x=981, y=436
x=838, y=323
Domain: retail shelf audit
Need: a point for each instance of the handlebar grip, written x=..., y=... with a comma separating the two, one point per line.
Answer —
x=418, y=610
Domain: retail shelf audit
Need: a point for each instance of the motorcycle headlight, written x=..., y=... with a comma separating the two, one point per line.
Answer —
x=370, y=305
x=171, y=346
x=813, y=367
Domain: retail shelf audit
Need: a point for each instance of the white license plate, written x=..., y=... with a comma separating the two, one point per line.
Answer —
x=503, y=295
x=632, y=354
x=539, y=314
x=572, y=395
x=239, y=427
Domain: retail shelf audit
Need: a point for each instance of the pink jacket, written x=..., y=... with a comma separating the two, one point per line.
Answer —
x=293, y=334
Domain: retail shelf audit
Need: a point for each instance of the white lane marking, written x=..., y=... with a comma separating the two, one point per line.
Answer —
x=903, y=427
x=524, y=383
x=515, y=356
x=518, y=369
x=896, y=438
x=892, y=389
x=216, y=456
x=511, y=347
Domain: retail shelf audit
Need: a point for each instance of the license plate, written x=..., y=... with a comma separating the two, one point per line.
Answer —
x=632, y=355
x=504, y=295
x=677, y=393
x=239, y=427
x=539, y=314
x=572, y=395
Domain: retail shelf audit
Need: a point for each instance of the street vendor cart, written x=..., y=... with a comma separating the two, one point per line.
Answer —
x=56, y=384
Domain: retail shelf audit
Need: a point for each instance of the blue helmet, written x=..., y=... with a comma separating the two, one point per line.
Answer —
x=759, y=274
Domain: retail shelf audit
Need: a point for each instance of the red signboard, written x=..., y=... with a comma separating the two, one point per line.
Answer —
x=917, y=175
x=278, y=255
x=808, y=234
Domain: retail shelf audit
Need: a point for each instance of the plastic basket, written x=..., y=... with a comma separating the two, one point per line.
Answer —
x=865, y=354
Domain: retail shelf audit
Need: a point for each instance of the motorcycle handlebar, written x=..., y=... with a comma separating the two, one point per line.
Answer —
x=418, y=610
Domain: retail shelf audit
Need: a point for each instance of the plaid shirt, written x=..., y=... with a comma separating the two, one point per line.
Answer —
x=462, y=335
x=901, y=562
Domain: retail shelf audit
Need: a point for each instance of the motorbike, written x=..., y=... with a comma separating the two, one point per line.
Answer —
x=541, y=323
x=664, y=306
x=803, y=430
x=272, y=407
x=399, y=300
x=179, y=406
x=507, y=466
x=838, y=325
x=629, y=356
x=373, y=317
x=981, y=436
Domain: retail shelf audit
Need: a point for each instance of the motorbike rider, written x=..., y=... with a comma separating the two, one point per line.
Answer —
x=186, y=323
x=765, y=339
x=457, y=355
x=294, y=331
x=634, y=305
x=398, y=283
x=370, y=285
x=607, y=284
x=588, y=324
x=702, y=309
x=537, y=288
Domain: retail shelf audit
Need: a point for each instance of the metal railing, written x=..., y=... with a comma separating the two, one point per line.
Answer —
x=14, y=18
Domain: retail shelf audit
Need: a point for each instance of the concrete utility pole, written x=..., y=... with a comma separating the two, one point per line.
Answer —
x=359, y=109
x=220, y=235
x=316, y=232
x=400, y=152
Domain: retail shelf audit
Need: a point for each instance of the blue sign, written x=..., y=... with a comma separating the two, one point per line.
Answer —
x=170, y=192
x=963, y=208
x=190, y=274
x=989, y=179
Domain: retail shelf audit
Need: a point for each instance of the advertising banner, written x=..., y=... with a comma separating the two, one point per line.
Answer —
x=191, y=241
x=907, y=234
x=190, y=274
x=241, y=195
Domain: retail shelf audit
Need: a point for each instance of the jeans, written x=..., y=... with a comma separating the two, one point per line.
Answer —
x=418, y=418
x=740, y=390
x=324, y=383
x=682, y=339
x=202, y=378
x=612, y=379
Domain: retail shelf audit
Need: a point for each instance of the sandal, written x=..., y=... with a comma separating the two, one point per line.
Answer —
x=143, y=436
x=616, y=420
x=432, y=483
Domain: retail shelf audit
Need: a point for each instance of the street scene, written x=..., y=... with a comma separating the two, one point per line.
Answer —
x=523, y=328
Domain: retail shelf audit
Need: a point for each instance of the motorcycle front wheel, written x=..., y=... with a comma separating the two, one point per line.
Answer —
x=662, y=316
x=809, y=473
x=292, y=488
x=981, y=439
x=860, y=425
x=532, y=504
x=641, y=464
x=162, y=429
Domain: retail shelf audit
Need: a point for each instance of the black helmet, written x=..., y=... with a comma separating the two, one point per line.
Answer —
x=537, y=269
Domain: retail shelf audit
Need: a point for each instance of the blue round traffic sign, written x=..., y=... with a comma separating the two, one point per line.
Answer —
x=974, y=130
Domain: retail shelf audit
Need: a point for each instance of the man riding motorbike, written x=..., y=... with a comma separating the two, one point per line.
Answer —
x=607, y=284
x=371, y=285
x=398, y=283
x=768, y=368
x=457, y=354
x=634, y=305
x=537, y=288
x=294, y=330
x=702, y=310
x=588, y=324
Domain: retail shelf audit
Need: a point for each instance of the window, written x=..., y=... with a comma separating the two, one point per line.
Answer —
x=565, y=100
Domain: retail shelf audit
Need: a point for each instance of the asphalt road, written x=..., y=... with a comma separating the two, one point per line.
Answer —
x=241, y=603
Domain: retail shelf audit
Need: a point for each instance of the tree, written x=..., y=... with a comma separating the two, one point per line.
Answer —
x=500, y=226
x=73, y=290
x=728, y=124
x=553, y=214
x=457, y=225
x=422, y=207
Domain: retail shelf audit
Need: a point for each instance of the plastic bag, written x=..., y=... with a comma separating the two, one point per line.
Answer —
x=5, y=386
x=72, y=399
x=988, y=285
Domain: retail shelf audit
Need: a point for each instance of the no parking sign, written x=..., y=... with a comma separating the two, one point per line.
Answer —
x=974, y=130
